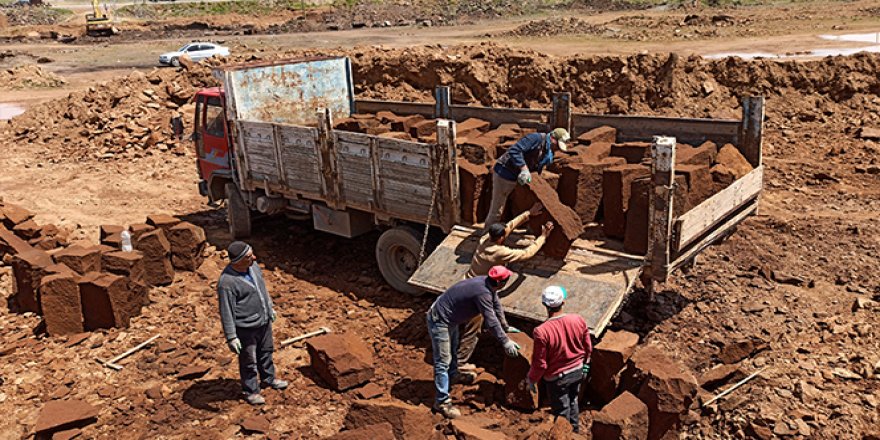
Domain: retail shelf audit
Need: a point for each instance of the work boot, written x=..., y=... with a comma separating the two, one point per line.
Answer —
x=275, y=384
x=447, y=410
x=254, y=399
x=464, y=378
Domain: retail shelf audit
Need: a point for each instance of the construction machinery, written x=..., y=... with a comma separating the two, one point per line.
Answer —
x=98, y=22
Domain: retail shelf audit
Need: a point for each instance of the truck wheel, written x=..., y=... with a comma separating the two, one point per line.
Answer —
x=237, y=213
x=175, y=62
x=397, y=253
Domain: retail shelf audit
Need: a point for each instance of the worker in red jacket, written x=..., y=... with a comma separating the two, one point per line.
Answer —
x=561, y=355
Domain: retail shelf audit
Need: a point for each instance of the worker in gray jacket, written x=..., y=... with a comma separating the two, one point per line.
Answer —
x=247, y=315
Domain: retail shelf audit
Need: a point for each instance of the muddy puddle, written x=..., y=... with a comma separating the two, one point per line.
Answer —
x=868, y=38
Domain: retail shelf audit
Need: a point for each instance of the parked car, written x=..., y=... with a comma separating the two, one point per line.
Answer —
x=196, y=51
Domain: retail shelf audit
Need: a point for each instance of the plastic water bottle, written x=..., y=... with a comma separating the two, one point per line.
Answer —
x=126, y=241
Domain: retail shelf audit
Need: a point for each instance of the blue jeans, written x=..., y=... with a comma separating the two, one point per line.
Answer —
x=444, y=343
x=255, y=359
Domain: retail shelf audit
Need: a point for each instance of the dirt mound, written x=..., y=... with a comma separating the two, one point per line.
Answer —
x=128, y=117
x=28, y=77
x=555, y=26
x=34, y=15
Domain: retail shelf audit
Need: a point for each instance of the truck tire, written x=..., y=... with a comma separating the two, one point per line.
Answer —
x=175, y=62
x=397, y=253
x=237, y=213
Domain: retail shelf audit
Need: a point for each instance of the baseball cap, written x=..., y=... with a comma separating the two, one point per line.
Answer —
x=499, y=274
x=561, y=135
x=553, y=296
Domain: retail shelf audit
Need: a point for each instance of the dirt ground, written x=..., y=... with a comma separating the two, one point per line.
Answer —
x=817, y=222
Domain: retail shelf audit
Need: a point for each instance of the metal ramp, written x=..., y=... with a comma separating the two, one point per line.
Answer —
x=597, y=274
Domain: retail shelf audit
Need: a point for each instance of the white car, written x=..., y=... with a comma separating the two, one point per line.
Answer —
x=196, y=51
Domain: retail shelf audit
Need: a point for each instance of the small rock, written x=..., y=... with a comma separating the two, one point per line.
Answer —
x=862, y=303
x=843, y=373
x=258, y=424
x=193, y=372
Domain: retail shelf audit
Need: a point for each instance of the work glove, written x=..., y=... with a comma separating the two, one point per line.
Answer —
x=234, y=345
x=524, y=178
x=586, y=370
x=511, y=348
x=272, y=316
x=512, y=329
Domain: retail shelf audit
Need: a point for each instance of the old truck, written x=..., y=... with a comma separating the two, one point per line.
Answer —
x=266, y=144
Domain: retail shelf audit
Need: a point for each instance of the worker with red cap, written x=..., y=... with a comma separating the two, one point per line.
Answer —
x=458, y=305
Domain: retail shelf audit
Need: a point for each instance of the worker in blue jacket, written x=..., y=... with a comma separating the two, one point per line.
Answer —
x=530, y=154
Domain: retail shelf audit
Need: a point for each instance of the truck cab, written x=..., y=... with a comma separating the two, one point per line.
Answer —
x=212, y=144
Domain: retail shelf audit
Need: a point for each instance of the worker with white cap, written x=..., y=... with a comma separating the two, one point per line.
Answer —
x=561, y=355
x=528, y=155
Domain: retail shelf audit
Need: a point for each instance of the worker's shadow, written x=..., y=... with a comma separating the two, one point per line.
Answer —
x=208, y=394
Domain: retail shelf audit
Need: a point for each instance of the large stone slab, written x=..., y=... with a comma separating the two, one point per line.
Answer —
x=342, y=360
x=625, y=418
x=514, y=373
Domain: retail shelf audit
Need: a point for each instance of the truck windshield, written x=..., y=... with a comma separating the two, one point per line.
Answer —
x=214, y=117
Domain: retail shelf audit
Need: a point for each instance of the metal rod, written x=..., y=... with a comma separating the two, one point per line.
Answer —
x=295, y=339
x=735, y=386
x=112, y=362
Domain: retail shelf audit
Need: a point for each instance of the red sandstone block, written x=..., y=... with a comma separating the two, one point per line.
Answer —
x=699, y=181
x=158, y=270
x=80, y=259
x=187, y=243
x=139, y=229
x=378, y=431
x=474, y=186
x=703, y=155
x=108, y=230
x=722, y=177
x=343, y=361
x=60, y=415
x=113, y=240
x=731, y=158
x=514, y=371
x=397, y=135
x=480, y=149
x=162, y=221
x=44, y=243
x=568, y=226
x=387, y=117
x=13, y=215
x=667, y=388
x=107, y=301
x=626, y=417
x=552, y=179
x=127, y=264
x=423, y=128
x=616, y=190
x=27, y=229
x=60, y=301
x=608, y=360
x=28, y=268
x=635, y=239
x=471, y=126
x=377, y=130
x=408, y=421
x=603, y=134
x=580, y=187
x=11, y=243
x=406, y=122
x=633, y=152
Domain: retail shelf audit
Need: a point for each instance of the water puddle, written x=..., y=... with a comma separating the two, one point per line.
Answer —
x=873, y=37
x=9, y=110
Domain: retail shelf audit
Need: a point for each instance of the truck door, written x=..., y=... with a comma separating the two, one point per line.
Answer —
x=212, y=144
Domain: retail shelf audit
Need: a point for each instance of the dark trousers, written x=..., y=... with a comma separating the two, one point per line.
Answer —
x=564, y=396
x=255, y=359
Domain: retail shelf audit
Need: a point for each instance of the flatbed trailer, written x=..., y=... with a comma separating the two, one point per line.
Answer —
x=266, y=143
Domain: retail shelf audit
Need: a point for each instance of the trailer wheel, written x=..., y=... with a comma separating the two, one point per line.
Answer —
x=237, y=213
x=397, y=253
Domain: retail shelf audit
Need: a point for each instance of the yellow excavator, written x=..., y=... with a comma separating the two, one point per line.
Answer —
x=98, y=23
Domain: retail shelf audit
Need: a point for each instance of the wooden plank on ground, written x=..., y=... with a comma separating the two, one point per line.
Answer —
x=695, y=222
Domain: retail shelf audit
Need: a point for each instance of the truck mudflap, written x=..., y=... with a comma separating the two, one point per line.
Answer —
x=597, y=274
